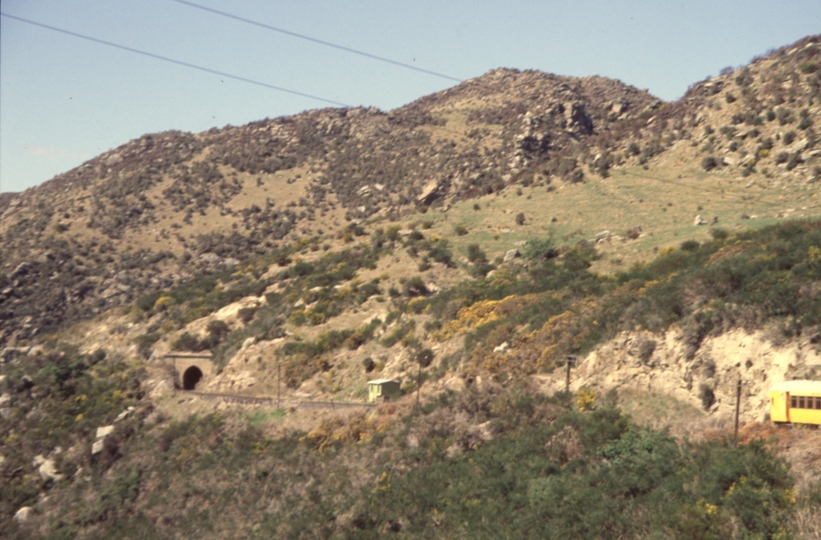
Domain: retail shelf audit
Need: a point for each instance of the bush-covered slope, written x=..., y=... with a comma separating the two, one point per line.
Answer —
x=436, y=470
x=487, y=463
x=548, y=308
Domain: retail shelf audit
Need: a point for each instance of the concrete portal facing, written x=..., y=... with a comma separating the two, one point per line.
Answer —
x=192, y=370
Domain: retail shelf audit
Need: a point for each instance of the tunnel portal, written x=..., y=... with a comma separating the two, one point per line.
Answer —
x=191, y=377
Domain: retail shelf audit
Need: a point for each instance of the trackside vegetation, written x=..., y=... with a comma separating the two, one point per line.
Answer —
x=487, y=463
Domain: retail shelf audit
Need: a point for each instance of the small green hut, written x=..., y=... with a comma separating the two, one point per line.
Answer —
x=386, y=389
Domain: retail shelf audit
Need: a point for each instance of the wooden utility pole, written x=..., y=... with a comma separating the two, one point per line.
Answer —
x=418, y=382
x=569, y=360
x=737, y=407
x=279, y=378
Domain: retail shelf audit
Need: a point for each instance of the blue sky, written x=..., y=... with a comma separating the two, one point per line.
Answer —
x=64, y=100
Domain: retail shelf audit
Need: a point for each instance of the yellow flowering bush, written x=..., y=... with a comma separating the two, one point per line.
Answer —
x=586, y=399
x=162, y=303
x=470, y=317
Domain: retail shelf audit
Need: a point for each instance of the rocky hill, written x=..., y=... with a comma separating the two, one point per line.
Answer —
x=165, y=207
x=466, y=245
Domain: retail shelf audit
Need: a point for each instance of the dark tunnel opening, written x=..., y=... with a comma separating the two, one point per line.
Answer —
x=191, y=377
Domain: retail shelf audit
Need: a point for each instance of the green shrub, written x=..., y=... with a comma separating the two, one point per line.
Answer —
x=394, y=336
x=709, y=163
x=744, y=77
x=218, y=328
x=579, y=258
x=217, y=331
x=186, y=342
x=789, y=137
x=246, y=314
x=147, y=301
x=794, y=161
x=432, y=325
x=415, y=286
x=718, y=233
x=440, y=252
x=475, y=253
x=646, y=348
x=575, y=177
x=728, y=131
x=145, y=343
x=784, y=116
x=706, y=395
x=424, y=357
x=808, y=67
x=540, y=249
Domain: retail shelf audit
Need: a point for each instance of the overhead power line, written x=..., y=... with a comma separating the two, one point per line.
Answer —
x=173, y=61
x=319, y=41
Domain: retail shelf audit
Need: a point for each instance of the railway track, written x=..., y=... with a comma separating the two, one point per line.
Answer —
x=260, y=400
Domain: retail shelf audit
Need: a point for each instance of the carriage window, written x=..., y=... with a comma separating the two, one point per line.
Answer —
x=800, y=402
x=818, y=402
x=793, y=402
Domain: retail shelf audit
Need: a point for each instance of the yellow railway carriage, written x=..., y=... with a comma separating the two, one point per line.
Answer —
x=796, y=402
